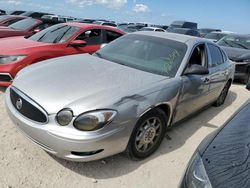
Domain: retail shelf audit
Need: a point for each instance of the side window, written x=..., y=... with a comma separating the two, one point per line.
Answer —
x=111, y=35
x=159, y=30
x=199, y=56
x=216, y=56
x=43, y=26
x=35, y=15
x=92, y=37
x=224, y=56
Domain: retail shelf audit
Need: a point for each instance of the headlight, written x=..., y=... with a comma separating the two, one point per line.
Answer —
x=247, y=60
x=64, y=117
x=11, y=59
x=94, y=120
x=196, y=176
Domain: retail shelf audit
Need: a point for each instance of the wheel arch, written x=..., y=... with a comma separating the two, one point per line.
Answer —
x=166, y=107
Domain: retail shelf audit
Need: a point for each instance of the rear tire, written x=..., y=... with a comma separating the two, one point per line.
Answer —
x=147, y=135
x=221, y=99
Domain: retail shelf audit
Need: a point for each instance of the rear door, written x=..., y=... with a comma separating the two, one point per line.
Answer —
x=218, y=71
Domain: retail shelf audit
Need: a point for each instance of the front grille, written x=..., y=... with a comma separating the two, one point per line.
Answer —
x=27, y=107
x=5, y=78
x=241, y=68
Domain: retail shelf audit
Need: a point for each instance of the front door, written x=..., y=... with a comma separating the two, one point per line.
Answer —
x=194, y=93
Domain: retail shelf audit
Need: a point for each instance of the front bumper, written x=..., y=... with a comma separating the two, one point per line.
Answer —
x=70, y=144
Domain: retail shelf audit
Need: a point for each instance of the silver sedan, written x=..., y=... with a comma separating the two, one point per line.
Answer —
x=123, y=98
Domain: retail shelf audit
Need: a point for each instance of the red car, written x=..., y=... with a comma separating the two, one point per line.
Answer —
x=26, y=27
x=7, y=20
x=55, y=41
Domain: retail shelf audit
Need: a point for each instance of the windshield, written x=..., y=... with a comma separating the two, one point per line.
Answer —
x=146, y=53
x=235, y=41
x=215, y=36
x=23, y=24
x=59, y=33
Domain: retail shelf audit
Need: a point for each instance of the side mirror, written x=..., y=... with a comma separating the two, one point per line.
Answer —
x=78, y=43
x=196, y=69
x=248, y=86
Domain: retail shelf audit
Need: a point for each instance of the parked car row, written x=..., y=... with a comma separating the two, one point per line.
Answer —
x=85, y=91
x=121, y=98
x=57, y=40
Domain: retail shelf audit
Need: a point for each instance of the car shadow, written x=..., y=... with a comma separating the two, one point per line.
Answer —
x=119, y=165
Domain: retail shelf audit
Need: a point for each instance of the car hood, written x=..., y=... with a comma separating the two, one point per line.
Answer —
x=18, y=45
x=237, y=54
x=227, y=151
x=81, y=79
x=8, y=32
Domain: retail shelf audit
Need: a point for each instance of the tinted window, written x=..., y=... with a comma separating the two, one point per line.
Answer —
x=146, y=53
x=91, y=36
x=56, y=34
x=109, y=24
x=35, y=15
x=216, y=56
x=24, y=24
x=160, y=30
x=111, y=35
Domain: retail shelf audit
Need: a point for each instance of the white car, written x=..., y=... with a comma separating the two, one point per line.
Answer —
x=152, y=29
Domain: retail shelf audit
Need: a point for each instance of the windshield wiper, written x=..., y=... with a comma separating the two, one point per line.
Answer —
x=98, y=54
x=239, y=44
x=62, y=35
x=227, y=43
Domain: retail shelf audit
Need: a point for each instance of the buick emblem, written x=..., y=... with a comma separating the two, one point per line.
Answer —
x=19, y=104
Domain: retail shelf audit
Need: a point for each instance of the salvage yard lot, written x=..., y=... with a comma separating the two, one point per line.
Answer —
x=23, y=164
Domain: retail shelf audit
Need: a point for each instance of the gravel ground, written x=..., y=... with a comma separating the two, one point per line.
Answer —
x=23, y=164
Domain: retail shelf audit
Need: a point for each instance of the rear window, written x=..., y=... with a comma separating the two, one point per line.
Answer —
x=56, y=34
x=23, y=24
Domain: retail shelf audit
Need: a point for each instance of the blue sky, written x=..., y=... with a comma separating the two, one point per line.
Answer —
x=230, y=15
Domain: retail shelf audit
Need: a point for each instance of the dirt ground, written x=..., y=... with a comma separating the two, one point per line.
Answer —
x=23, y=164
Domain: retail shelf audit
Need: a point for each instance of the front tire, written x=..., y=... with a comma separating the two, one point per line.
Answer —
x=147, y=134
x=221, y=99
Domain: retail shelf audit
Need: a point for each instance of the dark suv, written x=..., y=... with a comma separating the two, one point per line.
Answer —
x=36, y=15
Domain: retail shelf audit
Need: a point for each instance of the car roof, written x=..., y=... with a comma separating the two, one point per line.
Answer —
x=238, y=35
x=222, y=32
x=172, y=36
x=86, y=25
